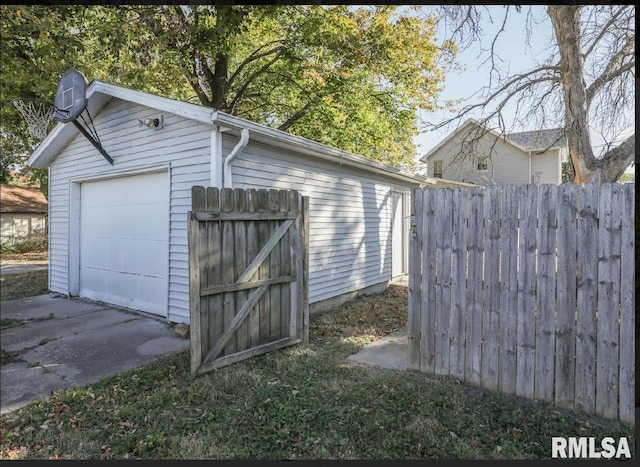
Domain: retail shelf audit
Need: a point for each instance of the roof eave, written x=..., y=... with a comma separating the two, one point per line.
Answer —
x=62, y=134
x=316, y=149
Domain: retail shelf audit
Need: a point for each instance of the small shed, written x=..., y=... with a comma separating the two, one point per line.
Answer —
x=118, y=233
x=23, y=212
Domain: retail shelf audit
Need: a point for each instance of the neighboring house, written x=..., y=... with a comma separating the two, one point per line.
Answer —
x=23, y=212
x=494, y=159
x=118, y=233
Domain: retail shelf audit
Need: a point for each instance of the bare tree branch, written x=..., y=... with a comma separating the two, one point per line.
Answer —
x=614, y=68
x=295, y=117
x=604, y=31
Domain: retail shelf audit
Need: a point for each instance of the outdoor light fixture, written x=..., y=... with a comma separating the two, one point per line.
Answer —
x=155, y=123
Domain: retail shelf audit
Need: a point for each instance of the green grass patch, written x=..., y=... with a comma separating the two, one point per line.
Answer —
x=6, y=323
x=304, y=402
x=18, y=286
x=7, y=356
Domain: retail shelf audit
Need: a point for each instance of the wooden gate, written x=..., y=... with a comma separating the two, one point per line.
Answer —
x=248, y=273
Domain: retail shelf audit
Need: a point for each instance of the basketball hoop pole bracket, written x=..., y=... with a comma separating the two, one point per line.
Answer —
x=93, y=141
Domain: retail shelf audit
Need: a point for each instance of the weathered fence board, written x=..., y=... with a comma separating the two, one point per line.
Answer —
x=566, y=308
x=545, y=292
x=415, y=264
x=459, y=278
x=473, y=357
x=526, y=328
x=246, y=248
x=428, y=331
x=587, y=282
x=443, y=282
x=534, y=289
x=607, y=341
x=627, y=305
x=508, y=291
x=491, y=302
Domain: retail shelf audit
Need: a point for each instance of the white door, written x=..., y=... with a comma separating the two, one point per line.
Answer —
x=397, y=237
x=124, y=241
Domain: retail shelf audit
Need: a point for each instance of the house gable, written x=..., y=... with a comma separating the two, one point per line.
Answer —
x=517, y=158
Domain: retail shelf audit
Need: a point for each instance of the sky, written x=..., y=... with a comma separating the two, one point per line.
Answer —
x=511, y=47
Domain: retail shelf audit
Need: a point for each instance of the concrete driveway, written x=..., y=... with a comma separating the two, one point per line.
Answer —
x=63, y=342
x=18, y=268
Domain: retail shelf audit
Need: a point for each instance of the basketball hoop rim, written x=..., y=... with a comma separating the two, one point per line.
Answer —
x=39, y=102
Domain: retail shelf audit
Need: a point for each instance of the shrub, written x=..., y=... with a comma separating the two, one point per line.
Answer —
x=34, y=243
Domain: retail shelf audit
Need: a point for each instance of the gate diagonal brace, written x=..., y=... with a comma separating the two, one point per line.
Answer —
x=233, y=326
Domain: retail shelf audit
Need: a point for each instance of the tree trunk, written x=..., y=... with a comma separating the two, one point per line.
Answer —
x=587, y=168
x=220, y=84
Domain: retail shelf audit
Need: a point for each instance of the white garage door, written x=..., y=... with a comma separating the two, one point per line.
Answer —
x=124, y=241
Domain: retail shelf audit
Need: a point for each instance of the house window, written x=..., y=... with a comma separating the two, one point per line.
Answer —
x=483, y=164
x=437, y=169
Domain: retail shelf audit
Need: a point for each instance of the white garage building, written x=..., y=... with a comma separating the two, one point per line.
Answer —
x=118, y=233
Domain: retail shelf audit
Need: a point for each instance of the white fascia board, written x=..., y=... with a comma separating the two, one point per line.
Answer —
x=447, y=138
x=313, y=148
x=164, y=104
x=98, y=94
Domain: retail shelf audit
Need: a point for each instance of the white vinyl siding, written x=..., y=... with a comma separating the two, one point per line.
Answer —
x=350, y=215
x=350, y=223
x=183, y=145
x=548, y=166
x=507, y=164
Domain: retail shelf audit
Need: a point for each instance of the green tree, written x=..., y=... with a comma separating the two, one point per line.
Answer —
x=345, y=76
x=37, y=46
x=350, y=77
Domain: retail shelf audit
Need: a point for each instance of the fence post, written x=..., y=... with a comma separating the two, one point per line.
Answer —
x=415, y=278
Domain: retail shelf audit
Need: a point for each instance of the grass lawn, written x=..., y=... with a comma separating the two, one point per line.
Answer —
x=305, y=401
x=17, y=286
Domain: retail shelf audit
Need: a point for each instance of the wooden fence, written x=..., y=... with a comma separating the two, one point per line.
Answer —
x=528, y=291
x=248, y=273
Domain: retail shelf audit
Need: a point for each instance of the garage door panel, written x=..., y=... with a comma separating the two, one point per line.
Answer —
x=124, y=244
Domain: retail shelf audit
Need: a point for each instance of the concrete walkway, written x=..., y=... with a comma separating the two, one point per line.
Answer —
x=6, y=269
x=387, y=352
x=67, y=342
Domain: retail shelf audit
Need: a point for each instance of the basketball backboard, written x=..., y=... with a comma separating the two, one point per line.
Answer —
x=71, y=96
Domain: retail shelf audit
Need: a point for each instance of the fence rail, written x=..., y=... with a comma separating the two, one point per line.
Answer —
x=529, y=291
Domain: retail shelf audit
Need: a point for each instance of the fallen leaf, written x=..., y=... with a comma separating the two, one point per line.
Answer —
x=272, y=383
x=294, y=392
x=453, y=435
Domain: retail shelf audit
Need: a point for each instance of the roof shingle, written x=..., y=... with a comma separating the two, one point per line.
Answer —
x=539, y=140
x=23, y=199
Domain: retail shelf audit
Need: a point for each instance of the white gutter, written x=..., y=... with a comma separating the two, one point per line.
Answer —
x=244, y=139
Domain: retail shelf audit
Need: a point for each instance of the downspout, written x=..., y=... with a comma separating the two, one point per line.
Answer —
x=530, y=173
x=215, y=165
x=244, y=139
